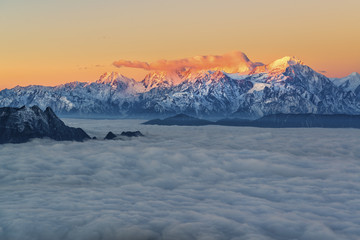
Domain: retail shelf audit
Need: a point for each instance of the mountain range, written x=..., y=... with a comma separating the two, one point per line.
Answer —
x=251, y=90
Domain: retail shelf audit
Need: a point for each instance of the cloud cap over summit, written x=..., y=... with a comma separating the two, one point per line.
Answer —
x=229, y=62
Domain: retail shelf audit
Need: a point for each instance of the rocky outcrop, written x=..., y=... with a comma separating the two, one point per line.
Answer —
x=110, y=136
x=132, y=134
x=18, y=125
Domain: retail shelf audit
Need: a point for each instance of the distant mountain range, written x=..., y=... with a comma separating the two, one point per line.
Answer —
x=180, y=120
x=285, y=86
x=271, y=121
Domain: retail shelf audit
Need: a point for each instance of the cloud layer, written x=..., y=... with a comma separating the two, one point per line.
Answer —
x=231, y=62
x=209, y=182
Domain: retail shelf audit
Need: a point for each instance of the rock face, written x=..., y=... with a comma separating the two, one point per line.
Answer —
x=286, y=86
x=18, y=125
x=297, y=120
x=110, y=136
x=132, y=134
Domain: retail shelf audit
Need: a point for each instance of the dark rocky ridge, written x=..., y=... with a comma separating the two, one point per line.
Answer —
x=19, y=125
x=132, y=134
x=179, y=119
x=297, y=121
x=271, y=121
x=111, y=135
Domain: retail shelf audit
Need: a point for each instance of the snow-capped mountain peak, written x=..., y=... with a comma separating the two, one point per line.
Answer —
x=162, y=79
x=206, y=75
x=348, y=83
x=278, y=66
x=119, y=82
x=112, y=77
x=284, y=63
x=355, y=75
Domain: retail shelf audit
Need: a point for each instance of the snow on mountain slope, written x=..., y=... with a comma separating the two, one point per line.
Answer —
x=293, y=87
x=258, y=87
x=200, y=93
x=111, y=94
x=278, y=66
x=290, y=72
x=286, y=85
x=348, y=83
x=119, y=83
x=161, y=80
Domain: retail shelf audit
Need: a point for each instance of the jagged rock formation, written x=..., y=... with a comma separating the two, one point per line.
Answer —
x=18, y=125
x=132, y=134
x=110, y=136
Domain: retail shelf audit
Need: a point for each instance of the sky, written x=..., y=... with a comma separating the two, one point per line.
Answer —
x=50, y=42
x=183, y=183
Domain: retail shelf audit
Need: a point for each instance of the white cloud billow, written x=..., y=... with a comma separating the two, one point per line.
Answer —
x=209, y=182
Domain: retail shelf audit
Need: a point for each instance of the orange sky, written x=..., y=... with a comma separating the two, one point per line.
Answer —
x=50, y=42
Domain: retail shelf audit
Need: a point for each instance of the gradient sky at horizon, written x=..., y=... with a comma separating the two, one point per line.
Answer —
x=50, y=42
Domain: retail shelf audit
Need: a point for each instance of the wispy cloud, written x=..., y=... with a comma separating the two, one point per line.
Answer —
x=91, y=67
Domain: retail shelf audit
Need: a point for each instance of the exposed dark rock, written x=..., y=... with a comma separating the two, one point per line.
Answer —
x=18, y=125
x=132, y=134
x=110, y=136
x=297, y=121
x=94, y=138
x=181, y=120
x=309, y=120
x=270, y=121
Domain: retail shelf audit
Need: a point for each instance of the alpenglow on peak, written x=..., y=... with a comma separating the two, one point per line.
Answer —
x=279, y=65
x=110, y=77
x=284, y=62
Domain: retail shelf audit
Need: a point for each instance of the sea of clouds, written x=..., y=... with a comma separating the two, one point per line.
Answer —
x=209, y=182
